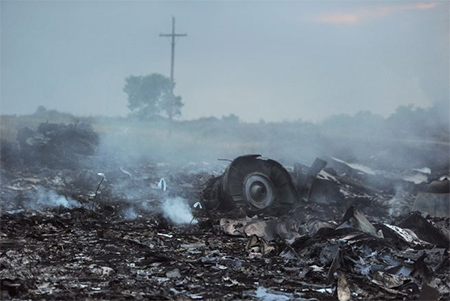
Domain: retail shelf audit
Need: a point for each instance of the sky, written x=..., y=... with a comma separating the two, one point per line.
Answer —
x=260, y=60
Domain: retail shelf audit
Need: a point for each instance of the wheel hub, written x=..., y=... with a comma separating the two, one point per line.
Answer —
x=258, y=190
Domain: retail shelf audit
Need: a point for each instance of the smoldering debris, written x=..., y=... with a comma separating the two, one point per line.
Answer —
x=342, y=232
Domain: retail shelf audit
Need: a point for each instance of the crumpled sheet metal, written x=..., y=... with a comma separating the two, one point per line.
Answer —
x=356, y=220
x=391, y=260
x=433, y=230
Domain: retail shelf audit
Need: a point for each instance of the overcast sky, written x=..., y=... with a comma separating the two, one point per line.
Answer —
x=270, y=60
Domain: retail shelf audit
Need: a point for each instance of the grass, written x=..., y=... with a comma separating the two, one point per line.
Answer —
x=211, y=139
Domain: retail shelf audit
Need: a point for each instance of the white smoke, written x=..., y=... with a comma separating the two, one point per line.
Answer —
x=129, y=213
x=398, y=205
x=45, y=198
x=177, y=210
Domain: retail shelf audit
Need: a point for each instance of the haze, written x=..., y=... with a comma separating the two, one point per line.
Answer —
x=260, y=60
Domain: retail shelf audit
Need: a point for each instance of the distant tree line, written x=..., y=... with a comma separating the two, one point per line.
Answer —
x=406, y=122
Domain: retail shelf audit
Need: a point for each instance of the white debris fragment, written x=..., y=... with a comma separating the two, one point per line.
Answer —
x=198, y=205
x=101, y=271
x=325, y=290
x=195, y=296
x=125, y=172
x=407, y=235
x=362, y=168
x=357, y=166
x=107, y=271
x=193, y=245
x=165, y=235
x=425, y=170
x=416, y=178
x=263, y=294
x=162, y=184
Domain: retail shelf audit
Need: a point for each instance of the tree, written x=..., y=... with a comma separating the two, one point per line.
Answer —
x=151, y=95
x=171, y=105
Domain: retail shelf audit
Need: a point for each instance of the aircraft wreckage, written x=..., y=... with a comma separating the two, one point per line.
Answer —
x=85, y=227
x=256, y=184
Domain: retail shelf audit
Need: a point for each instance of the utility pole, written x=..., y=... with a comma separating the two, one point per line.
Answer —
x=172, y=35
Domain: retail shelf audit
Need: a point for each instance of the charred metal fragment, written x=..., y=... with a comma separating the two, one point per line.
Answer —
x=304, y=176
x=253, y=184
x=324, y=191
x=316, y=185
x=426, y=230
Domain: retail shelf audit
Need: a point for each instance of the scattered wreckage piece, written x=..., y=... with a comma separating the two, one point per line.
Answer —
x=355, y=220
x=384, y=261
x=434, y=230
x=253, y=184
x=316, y=185
x=368, y=179
x=257, y=185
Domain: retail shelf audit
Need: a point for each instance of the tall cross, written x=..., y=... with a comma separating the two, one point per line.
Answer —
x=173, y=35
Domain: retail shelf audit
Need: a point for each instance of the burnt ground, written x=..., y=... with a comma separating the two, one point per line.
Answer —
x=65, y=233
x=93, y=251
x=79, y=253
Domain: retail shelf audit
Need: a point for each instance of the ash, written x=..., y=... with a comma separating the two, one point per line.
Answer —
x=90, y=228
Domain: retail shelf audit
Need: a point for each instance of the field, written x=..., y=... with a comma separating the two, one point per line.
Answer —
x=83, y=215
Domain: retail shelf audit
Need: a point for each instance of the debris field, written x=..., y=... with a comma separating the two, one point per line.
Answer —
x=94, y=228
